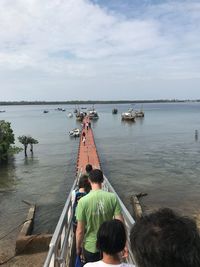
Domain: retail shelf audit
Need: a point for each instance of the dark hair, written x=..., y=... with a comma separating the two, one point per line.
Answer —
x=165, y=239
x=84, y=183
x=88, y=168
x=96, y=176
x=111, y=237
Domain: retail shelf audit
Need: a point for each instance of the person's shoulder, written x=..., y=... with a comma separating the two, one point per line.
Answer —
x=126, y=265
x=93, y=264
x=109, y=194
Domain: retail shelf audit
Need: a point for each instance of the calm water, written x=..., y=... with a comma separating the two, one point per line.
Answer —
x=157, y=155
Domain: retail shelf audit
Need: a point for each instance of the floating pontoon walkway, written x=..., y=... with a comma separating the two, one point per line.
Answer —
x=62, y=246
x=87, y=153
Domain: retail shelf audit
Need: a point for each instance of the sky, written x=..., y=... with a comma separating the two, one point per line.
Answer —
x=99, y=50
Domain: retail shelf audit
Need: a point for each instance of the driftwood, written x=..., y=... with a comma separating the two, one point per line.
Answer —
x=137, y=209
x=141, y=195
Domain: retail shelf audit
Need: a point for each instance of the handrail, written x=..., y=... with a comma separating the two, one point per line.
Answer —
x=56, y=244
x=60, y=247
x=128, y=219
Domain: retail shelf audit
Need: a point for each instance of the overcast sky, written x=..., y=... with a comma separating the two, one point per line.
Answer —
x=99, y=49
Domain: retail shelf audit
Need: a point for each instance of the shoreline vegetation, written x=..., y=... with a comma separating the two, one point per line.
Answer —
x=80, y=102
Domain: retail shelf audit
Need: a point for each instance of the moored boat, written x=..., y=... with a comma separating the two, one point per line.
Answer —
x=129, y=115
x=74, y=133
x=92, y=114
x=114, y=111
x=80, y=116
x=139, y=113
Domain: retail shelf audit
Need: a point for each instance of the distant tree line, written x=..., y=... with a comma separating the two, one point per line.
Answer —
x=79, y=102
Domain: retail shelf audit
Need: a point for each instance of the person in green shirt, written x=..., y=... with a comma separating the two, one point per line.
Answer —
x=92, y=210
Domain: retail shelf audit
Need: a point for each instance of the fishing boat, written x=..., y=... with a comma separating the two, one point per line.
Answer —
x=74, y=133
x=139, y=113
x=92, y=114
x=80, y=116
x=129, y=115
x=114, y=111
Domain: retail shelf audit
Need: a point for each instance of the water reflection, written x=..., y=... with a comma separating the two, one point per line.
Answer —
x=127, y=122
x=31, y=160
x=7, y=175
x=196, y=135
x=140, y=120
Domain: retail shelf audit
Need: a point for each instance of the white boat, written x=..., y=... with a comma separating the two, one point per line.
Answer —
x=74, y=133
x=69, y=115
x=92, y=114
x=139, y=114
x=80, y=116
x=129, y=115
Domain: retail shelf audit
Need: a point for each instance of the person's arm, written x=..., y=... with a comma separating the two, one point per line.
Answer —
x=119, y=217
x=79, y=236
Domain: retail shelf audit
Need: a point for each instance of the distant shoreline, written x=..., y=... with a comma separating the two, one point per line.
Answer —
x=76, y=102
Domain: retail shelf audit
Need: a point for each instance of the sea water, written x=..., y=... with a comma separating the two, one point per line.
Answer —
x=158, y=155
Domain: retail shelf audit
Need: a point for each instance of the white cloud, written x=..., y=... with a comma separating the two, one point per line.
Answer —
x=77, y=39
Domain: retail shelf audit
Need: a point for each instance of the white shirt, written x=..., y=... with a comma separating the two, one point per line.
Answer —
x=103, y=264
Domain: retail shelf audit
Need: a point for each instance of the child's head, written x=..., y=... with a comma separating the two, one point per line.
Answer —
x=111, y=237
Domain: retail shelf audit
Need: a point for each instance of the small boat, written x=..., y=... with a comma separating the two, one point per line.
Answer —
x=1, y=111
x=92, y=114
x=45, y=111
x=129, y=115
x=63, y=109
x=80, y=116
x=139, y=114
x=114, y=111
x=69, y=115
x=74, y=133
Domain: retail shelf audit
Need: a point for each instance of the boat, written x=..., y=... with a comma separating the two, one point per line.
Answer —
x=114, y=111
x=74, y=133
x=139, y=114
x=75, y=110
x=63, y=109
x=1, y=111
x=129, y=115
x=69, y=115
x=92, y=114
x=45, y=111
x=80, y=115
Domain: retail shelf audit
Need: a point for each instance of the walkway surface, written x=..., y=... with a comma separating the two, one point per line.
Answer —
x=87, y=153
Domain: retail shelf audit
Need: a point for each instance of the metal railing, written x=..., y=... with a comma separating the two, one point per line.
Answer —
x=61, y=245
